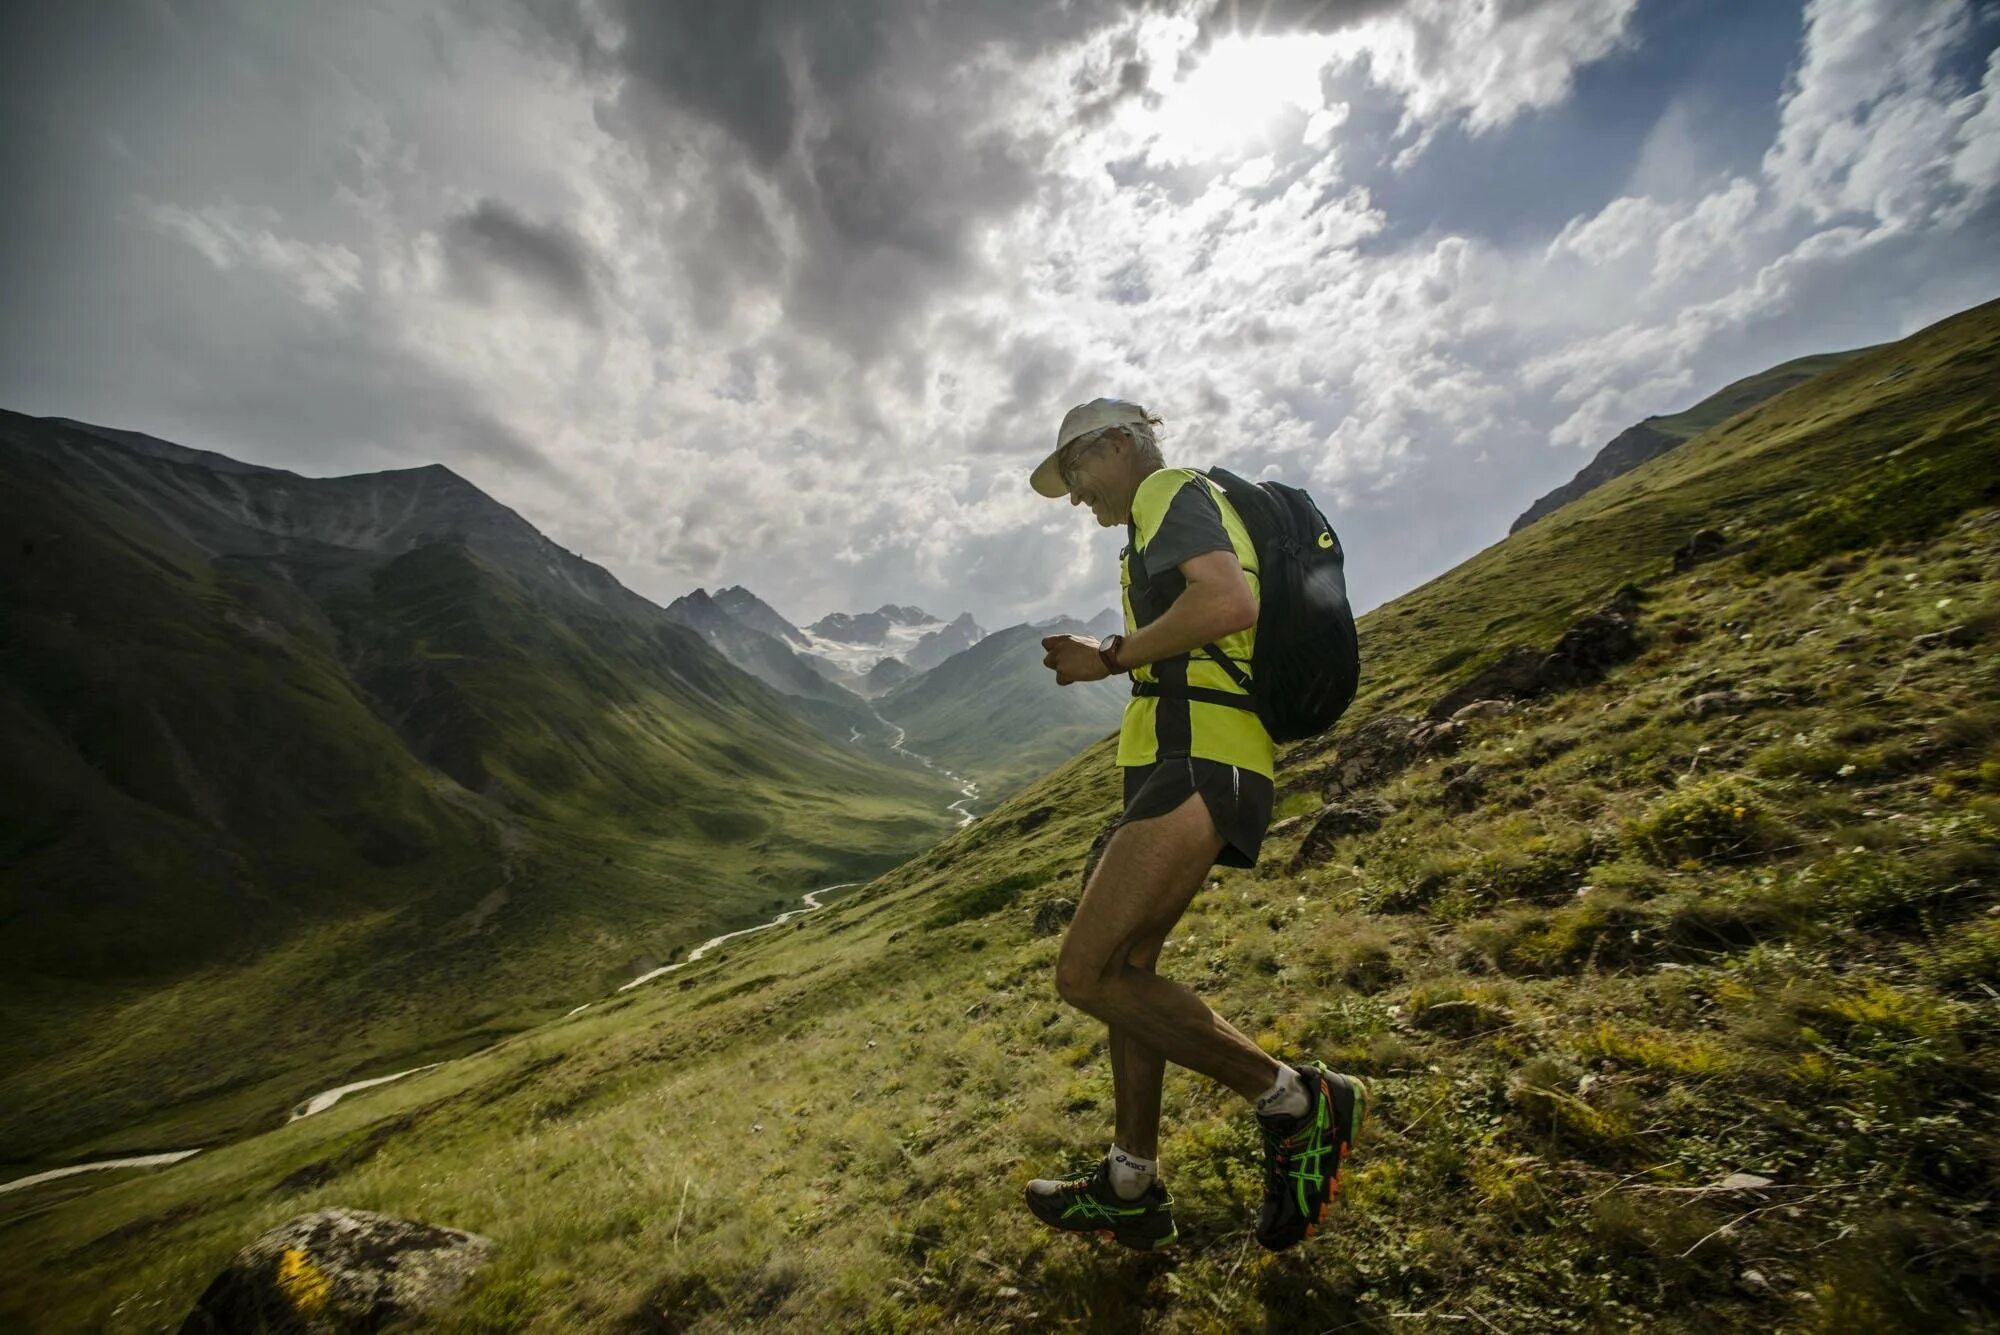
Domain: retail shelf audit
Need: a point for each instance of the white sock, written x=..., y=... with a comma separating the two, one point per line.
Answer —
x=1286, y=1097
x=1131, y=1175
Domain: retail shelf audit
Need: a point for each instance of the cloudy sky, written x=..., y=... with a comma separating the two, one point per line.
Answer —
x=792, y=293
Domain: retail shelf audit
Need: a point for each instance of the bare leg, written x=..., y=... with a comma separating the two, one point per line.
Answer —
x=1148, y=874
x=1136, y=1075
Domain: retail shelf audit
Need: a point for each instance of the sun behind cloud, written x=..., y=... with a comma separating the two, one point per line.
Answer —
x=1235, y=92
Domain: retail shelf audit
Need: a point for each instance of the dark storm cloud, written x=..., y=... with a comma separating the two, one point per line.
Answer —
x=131, y=132
x=884, y=169
x=548, y=256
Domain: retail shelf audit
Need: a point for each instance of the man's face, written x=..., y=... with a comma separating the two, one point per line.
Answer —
x=1092, y=471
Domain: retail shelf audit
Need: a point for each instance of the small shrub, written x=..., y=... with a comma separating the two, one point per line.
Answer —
x=1966, y=960
x=1723, y=819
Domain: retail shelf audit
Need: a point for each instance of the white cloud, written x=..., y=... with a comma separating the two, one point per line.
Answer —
x=228, y=236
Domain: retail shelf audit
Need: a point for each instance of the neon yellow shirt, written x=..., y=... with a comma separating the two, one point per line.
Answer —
x=1178, y=514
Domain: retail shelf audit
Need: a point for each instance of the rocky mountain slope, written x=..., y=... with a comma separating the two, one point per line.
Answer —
x=1672, y=962
x=1656, y=435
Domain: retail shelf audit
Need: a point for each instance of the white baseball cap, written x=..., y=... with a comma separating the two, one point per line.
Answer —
x=1081, y=421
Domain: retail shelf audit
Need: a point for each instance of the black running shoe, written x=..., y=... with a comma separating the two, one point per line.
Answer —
x=1303, y=1155
x=1086, y=1203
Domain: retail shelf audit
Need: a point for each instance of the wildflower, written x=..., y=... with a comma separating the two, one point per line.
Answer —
x=1844, y=771
x=1739, y=813
x=1943, y=603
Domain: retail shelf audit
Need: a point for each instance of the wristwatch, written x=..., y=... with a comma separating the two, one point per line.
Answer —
x=1108, y=651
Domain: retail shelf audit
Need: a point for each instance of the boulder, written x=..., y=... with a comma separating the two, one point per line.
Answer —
x=1465, y=789
x=1958, y=637
x=1595, y=642
x=1377, y=750
x=1703, y=546
x=1480, y=709
x=1515, y=675
x=1097, y=847
x=1052, y=915
x=338, y=1270
x=1600, y=640
x=1335, y=823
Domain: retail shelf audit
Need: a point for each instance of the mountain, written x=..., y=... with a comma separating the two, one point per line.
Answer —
x=937, y=645
x=1107, y=623
x=1686, y=969
x=850, y=645
x=996, y=715
x=367, y=751
x=1656, y=435
x=886, y=675
x=767, y=658
x=757, y=614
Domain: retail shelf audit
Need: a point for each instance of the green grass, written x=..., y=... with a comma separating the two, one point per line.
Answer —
x=1584, y=1004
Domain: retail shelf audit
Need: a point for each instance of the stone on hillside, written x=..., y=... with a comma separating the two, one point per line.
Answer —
x=1699, y=548
x=338, y=1270
x=1464, y=788
x=1718, y=702
x=1460, y=1018
x=1600, y=640
x=1285, y=826
x=1438, y=739
x=1097, y=848
x=1597, y=641
x=1377, y=750
x=1054, y=914
x=1958, y=637
x=1515, y=675
x=1335, y=823
x=1480, y=709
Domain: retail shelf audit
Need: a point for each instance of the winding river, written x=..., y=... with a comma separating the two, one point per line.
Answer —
x=325, y=1099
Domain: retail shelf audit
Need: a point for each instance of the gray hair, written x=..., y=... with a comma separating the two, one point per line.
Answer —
x=1146, y=441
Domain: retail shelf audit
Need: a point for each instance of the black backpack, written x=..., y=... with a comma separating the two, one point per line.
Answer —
x=1307, y=662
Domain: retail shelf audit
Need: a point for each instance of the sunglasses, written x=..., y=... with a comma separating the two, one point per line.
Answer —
x=1080, y=447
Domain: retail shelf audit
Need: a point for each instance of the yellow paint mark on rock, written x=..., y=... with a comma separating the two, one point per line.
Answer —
x=302, y=1283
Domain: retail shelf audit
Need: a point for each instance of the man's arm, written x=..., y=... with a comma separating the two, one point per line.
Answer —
x=1216, y=602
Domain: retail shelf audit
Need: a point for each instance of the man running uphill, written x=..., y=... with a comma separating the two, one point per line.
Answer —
x=1197, y=764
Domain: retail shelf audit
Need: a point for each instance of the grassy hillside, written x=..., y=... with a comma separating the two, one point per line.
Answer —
x=1742, y=395
x=1656, y=435
x=1677, y=989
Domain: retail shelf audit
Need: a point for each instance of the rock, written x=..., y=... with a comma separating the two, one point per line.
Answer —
x=1033, y=819
x=1515, y=675
x=1479, y=709
x=1053, y=915
x=1460, y=1019
x=1703, y=546
x=1718, y=702
x=1364, y=757
x=338, y=1270
x=1744, y=1182
x=1465, y=790
x=895, y=936
x=1097, y=848
x=1285, y=826
x=1958, y=637
x=1437, y=739
x=1335, y=823
x=1601, y=640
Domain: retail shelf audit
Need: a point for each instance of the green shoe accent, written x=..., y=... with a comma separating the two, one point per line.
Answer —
x=1085, y=1203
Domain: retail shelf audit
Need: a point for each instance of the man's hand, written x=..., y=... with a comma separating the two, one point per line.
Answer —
x=1074, y=658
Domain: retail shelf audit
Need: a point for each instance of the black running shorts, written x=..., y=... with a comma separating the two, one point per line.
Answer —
x=1238, y=800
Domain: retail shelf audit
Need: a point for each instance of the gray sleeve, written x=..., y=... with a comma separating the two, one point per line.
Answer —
x=1191, y=526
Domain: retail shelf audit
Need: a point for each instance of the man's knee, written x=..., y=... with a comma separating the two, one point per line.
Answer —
x=1077, y=983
